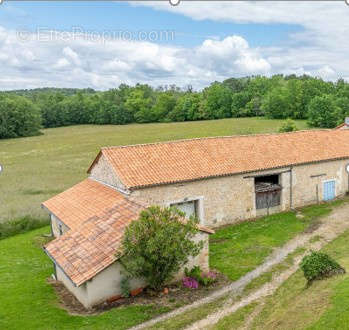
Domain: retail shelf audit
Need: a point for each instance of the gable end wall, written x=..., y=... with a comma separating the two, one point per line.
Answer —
x=103, y=172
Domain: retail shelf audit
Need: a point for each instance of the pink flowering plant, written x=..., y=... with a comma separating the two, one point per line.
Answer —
x=190, y=283
x=204, y=279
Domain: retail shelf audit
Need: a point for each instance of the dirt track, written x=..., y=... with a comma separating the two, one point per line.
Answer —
x=330, y=227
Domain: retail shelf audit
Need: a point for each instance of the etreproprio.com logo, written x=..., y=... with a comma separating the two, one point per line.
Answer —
x=177, y=2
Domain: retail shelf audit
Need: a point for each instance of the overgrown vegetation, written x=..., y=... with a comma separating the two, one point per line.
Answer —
x=19, y=226
x=324, y=104
x=158, y=244
x=317, y=266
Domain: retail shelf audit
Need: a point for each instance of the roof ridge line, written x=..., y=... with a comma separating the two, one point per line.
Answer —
x=214, y=137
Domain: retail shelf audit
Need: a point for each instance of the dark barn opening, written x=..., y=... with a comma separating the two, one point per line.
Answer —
x=268, y=191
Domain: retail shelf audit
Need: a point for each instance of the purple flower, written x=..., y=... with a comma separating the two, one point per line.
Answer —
x=191, y=283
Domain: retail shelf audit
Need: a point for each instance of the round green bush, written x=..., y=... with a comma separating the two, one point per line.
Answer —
x=319, y=265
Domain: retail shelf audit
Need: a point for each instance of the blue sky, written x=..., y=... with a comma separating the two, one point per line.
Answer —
x=100, y=16
x=213, y=41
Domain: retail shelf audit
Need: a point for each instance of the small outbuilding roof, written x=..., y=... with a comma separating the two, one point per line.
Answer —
x=145, y=165
x=97, y=216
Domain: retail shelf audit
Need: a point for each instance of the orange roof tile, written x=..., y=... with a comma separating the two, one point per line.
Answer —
x=83, y=201
x=97, y=216
x=178, y=161
x=340, y=126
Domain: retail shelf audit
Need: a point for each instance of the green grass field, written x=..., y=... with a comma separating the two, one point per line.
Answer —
x=237, y=249
x=37, y=168
x=323, y=305
x=28, y=301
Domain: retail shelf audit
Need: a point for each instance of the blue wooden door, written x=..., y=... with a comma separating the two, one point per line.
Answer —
x=329, y=190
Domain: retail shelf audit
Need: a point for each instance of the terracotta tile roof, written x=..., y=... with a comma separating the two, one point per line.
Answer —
x=81, y=202
x=341, y=125
x=163, y=163
x=97, y=216
x=97, y=228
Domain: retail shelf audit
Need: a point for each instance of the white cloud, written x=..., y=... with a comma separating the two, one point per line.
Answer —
x=320, y=49
x=68, y=52
x=62, y=63
x=323, y=41
x=326, y=72
x=103, y=65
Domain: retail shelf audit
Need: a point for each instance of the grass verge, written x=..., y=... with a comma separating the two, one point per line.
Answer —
x=235, y=320
x=323, y=305
x=237, y=249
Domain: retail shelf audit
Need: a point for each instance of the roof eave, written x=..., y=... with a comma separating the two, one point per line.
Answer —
x=94, y=162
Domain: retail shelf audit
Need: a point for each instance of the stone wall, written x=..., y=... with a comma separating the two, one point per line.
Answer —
x=232, y=198
x=103, y=172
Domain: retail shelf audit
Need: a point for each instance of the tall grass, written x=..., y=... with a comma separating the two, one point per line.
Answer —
x=39, y=167
x=20, y=226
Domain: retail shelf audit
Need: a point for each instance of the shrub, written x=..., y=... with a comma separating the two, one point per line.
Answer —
x=204, y=279
x=288, y=126
x=125, y=287
x=19, y=226
x=318, y=265
x=158, y=245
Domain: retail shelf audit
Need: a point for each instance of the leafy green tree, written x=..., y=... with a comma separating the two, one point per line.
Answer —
x=18, y=117
x=323, y=111
x=343, y=108
x=187, y=108
x=253, y=108
x=236, y=85
x=276, y=103
x=238, y=103
x=313, y=87
x=164, y=104
x=47, y=103
x=217, y=99
x=140, y=105
x=296, y=100
x=158, y=245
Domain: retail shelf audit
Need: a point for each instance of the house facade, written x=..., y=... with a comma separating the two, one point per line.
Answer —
x=273, y=173
x=220, y=180
x=88, y=222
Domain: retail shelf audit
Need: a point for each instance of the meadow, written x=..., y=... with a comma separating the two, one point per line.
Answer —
x=36, y=168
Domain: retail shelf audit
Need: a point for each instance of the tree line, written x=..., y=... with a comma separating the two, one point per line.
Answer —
x=321, y=103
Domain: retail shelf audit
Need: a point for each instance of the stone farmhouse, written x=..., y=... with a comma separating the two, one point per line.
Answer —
x=221, y=180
